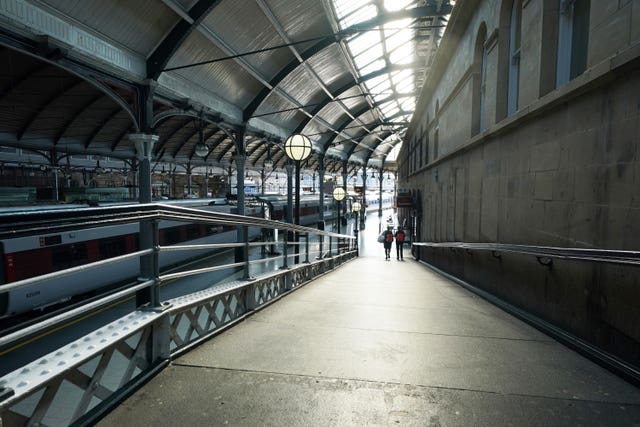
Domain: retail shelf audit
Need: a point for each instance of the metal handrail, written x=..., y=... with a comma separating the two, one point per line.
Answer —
x=20, y=224
x=153, y=333
x=545, y=256
x=578, y=254
x=70, y=314
x=69, y=271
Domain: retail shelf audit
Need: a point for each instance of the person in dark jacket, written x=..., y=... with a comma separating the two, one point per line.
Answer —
x=399, y=243
x=388, y=240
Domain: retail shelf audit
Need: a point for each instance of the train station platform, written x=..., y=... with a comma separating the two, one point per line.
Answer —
x=381, y=343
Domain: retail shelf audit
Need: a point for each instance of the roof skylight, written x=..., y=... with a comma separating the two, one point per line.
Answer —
x=386, y=45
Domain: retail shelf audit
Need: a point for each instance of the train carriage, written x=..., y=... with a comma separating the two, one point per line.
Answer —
x=31, y=256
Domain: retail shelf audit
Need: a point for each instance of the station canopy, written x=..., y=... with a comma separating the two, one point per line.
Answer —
x=345, y=73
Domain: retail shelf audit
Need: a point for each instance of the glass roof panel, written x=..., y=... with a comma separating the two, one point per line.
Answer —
x=374, y=52
x=390, y=108
x=403, y=54
x=365, y=13
x=401, y=76
x=394, y=5
x=393, y=154
x=408, y=104
x=406, y=87
x=390, y=44
x=346, y=7
x=363, y=41
x=373, y=66
x=383, y=85
x=371, y=83
x=396, y=38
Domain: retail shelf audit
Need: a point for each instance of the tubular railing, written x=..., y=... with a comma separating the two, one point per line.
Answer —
x=83, y=379
x=545, y=256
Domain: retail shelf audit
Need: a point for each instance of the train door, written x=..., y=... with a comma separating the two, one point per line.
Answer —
x=269, y=213
x=4, y=297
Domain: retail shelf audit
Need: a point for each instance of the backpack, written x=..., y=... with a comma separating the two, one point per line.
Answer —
x=400, y=236
x=389, y=237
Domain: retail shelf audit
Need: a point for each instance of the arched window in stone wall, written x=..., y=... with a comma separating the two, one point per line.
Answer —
x=420, y=148
x=425, y=140
x=436, y=130
x=565, y=42
x=573, y=39
x=515, y=33
x=478, y=121
x=509, y=37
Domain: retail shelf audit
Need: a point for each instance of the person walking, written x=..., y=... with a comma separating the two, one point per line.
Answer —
x=399, y=243
x=387, y=241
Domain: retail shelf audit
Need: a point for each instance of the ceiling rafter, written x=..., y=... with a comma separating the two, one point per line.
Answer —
x=75, y=83
x=78, y=112
x=161, y=56
x=215, y=144
x=345, y=88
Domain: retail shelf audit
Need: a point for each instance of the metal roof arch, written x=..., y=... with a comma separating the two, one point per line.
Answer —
x=161, y=56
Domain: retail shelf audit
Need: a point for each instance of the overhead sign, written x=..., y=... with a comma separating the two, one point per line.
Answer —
x=404, y=199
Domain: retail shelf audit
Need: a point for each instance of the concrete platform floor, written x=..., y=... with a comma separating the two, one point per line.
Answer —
x=381, y=343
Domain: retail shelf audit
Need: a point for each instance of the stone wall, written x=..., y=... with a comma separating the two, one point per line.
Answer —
x=564, y=170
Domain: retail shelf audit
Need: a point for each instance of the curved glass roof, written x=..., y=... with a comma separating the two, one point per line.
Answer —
x=391, y=42
x=236, y=77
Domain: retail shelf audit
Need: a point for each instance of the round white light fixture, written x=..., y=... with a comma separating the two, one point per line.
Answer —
x=339, y=194
x=297, y=147
x=201, y=149
x=355, y=206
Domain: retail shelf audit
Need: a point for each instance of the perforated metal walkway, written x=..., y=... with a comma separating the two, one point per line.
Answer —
x=381, y=343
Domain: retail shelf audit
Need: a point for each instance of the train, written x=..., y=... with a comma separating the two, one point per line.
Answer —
x=275, y=207
x=31, y=256
x=310, y=209
x=26, y=257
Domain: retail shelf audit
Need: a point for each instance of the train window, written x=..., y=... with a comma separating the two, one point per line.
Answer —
x=23, y=265
x=193, y=231
x=170, y=236
x=67, y=256
x=51, y=240
x=113, y=247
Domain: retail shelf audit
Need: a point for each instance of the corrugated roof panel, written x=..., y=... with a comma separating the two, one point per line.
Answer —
x=332, y=112
x=301, y=20
x=330, y=65
x=137, y=25
x=226, y=78
x=278, y=110
x=367, y=119
x=303, y=86
x=353, y=98
x=245, y=28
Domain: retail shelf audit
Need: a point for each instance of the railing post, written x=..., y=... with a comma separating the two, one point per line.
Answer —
x=330, y=244
x=250, y=297
x=245, y=232
x=285, y=250
x=306, y=260
x=160, y=340
x=155, y=288
x=144, y=149
x=321, y=245
x=149, y=266
x=288, y=280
